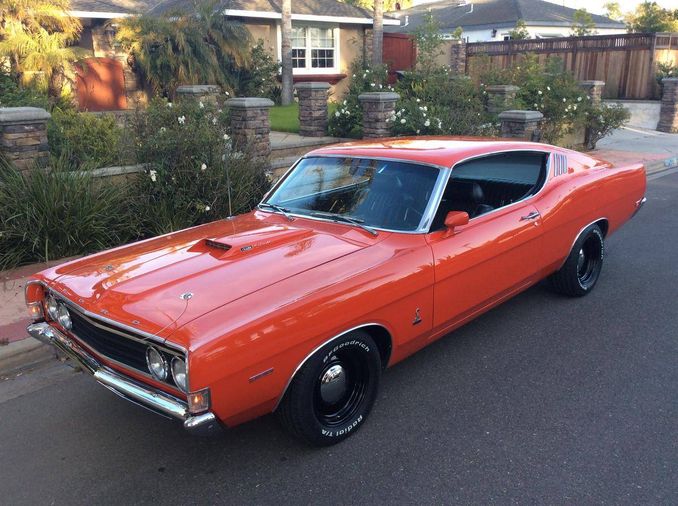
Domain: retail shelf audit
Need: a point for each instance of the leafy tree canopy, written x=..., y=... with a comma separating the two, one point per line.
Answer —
x=36, y=36
x=519, y=32
x=649, y=17
x=582, y=23
x=613, y=11
x=389, y=5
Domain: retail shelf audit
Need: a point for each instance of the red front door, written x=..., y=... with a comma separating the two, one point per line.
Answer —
x=493, y=256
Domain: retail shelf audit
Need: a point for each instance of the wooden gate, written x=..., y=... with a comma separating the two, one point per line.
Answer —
x=100, y=85
x=399, y=53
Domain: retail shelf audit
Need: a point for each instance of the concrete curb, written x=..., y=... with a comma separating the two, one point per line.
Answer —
x=661, y=165
x=23, y=354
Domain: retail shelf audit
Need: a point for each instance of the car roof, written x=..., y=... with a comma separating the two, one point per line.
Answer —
x=442, y=151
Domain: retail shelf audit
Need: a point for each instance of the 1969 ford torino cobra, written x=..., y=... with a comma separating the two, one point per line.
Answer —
x=360, y=255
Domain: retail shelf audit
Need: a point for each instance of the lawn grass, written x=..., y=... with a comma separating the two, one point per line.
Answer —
x=285, y=118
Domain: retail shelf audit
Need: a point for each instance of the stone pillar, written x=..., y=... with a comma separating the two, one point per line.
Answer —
x=593, y=89
x=521, y=124
x=458, y=56
x=312, y=108
x=207, y=93
x=250, y=126
x=668, y=114
x=500, y=97
x=378, y=108
x=23, y=135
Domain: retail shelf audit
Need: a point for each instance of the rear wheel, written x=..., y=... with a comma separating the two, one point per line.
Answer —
x=581, y=270
x=332, y=394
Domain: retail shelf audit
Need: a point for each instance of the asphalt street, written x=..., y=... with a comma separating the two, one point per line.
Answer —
x=545, y=400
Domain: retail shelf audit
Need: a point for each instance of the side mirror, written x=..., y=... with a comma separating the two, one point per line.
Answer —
x=455, y=219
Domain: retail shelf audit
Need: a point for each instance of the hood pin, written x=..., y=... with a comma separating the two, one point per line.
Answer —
x=186, y=296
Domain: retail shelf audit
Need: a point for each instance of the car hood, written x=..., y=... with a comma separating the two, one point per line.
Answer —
x=163, y=283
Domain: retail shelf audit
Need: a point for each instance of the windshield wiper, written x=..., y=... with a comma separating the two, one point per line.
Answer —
x=345, y=219
x=282, y=210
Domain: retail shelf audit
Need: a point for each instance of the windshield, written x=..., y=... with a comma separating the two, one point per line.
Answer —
x=382, y=194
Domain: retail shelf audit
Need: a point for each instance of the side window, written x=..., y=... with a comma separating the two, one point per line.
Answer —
x=484, y=184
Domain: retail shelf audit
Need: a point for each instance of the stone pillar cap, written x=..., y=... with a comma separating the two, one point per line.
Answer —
x=198, y=89
x=23, y=114
x=311, y=85
x=249, y=102
x=521, y=115
x=593, y=83
x=508, y=87
x=670, y=80
x=378, y=96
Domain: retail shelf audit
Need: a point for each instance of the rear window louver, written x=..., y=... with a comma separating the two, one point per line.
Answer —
x=217, y=245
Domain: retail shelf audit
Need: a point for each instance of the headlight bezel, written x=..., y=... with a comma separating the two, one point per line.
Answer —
x=52, y=307
x=64, y=316
x=165, y=366
x=183, y=386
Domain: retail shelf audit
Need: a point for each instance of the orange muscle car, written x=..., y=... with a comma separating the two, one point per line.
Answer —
x=360, y=255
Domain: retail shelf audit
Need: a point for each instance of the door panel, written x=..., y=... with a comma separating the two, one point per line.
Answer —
x=481, y=262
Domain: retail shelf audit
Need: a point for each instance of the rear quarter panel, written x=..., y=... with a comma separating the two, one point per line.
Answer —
x=590, y=190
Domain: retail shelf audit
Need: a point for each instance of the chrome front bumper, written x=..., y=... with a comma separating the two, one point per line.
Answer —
x=154, y=400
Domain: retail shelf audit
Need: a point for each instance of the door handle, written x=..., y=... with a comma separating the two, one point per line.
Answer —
x=532, y=216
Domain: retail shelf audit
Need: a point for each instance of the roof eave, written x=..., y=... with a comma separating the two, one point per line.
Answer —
x=99, y=14
x=308, y=17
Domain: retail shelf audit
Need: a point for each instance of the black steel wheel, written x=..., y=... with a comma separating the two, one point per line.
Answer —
x=581, y=270
x=332, y=394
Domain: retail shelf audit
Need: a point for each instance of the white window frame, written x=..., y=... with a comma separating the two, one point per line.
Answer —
x=308, y=70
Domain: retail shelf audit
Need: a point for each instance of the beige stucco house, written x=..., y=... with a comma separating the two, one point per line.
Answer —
x=327, y=34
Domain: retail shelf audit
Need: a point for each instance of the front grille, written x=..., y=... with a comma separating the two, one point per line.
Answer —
x=115, y=344
x=118, y=348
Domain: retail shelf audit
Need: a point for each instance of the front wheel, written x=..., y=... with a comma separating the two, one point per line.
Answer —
x=332, y=394
x=581, y=270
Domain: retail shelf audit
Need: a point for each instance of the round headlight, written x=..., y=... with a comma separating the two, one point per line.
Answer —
x=64, y=317
x=156, y=363
x=179, y=374
x=52, y=307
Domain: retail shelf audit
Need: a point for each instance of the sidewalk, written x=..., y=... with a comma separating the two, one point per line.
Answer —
x=658, y=151
x=17, y=350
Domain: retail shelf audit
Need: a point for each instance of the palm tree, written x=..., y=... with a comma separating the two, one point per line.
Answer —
x=286, y=56
x=36, y=35
x=186, y=47
x=378, y=33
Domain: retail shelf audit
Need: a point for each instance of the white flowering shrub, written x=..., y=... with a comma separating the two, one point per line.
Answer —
x=193, y=176
x=413, y=117
x=258, y=77
x=602, y=121
x=664, y=70
x=553, y=91
x=347, y=119
x=437, y=102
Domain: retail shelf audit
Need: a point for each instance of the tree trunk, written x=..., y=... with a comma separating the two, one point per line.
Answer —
x=378, y=38
x=286, y=56
x=55, y=84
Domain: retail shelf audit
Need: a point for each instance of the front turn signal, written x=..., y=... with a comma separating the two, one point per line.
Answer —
x=199, y=402
x=35, y=294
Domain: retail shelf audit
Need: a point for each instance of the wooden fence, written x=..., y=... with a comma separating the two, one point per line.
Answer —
x=626, y=62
